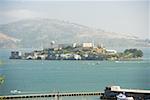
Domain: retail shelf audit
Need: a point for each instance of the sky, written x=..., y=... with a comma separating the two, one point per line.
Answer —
x=122, y=16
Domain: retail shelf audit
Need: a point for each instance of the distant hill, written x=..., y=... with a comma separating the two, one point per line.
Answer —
x=8, y=41
x=40, y=32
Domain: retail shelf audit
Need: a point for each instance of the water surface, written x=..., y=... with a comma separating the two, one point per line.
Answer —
x=39, y=76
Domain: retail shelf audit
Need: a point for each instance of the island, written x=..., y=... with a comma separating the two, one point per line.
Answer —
x=84, y=51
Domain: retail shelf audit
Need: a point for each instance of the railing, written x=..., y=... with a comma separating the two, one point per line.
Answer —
x=50, y=95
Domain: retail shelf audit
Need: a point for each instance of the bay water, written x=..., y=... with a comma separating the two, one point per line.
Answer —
x=49, y=76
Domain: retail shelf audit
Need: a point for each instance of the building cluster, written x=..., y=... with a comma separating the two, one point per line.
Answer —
x=84, y=51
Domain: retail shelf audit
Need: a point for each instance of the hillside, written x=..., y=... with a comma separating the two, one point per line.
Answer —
x=8, y=41
x=40, y=32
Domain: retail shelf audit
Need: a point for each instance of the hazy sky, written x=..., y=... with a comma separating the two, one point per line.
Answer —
x=128, y=16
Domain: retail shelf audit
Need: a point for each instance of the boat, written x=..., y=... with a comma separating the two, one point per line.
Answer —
x=123, y=97
x=15, y=91
x=117, y=61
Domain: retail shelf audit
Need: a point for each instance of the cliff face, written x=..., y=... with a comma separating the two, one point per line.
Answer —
x=40, y=32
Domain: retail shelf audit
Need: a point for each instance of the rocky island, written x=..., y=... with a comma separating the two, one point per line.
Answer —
x=84, y=51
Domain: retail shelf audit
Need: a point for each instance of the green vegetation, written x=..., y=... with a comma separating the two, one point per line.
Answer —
x=133, y=53
x=1, y=79
x=1, y=62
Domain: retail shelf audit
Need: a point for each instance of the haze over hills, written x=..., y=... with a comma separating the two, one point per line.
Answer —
x=40, y=32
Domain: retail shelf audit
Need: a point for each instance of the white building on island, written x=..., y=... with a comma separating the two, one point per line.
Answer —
x=87, y=45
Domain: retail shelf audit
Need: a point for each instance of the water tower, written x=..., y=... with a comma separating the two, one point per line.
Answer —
x=52, y=44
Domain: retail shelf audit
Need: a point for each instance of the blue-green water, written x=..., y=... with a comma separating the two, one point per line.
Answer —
x=68, y=76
